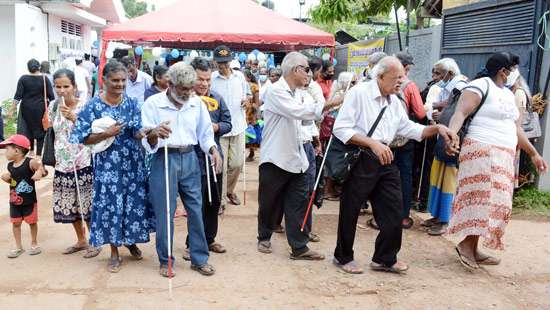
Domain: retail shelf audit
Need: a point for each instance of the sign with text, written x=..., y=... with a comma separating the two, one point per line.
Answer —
x=358, y=53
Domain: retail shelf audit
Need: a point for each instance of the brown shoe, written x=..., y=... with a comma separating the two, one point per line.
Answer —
x=234, y=199
x=216, y=248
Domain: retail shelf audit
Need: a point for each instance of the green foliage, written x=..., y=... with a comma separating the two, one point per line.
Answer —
x=358, y=31
x=10, y=123
x=530, y=201
x=134, y=8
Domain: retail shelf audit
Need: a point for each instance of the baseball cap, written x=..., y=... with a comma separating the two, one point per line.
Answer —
x=234, y=64
x=405, y=58
x=18, y=140
x=222, y=53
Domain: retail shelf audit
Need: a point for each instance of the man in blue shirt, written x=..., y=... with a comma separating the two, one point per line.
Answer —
x=221, y=124
x=179, y=120
x=138, y=81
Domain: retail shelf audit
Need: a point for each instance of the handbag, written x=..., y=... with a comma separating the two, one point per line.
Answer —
x=342, y=157
x=530, y=121
x=45, y=119
x=48, y=150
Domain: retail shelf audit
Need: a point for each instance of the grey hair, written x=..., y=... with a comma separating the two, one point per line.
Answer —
x=374, y=58
x=344, y=78
x=384, y=65
x=449, y=65
x=181, y=73
x=291, y=61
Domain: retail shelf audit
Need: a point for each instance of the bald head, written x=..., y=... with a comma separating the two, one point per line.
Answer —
x=389, y=73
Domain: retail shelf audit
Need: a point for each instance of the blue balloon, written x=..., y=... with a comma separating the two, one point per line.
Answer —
x=255, y=52
x=175, y=53
x=334, y=62
x=242, y=57
x=139, y=50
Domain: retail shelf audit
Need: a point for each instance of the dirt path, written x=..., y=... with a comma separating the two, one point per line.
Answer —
x=246, y=279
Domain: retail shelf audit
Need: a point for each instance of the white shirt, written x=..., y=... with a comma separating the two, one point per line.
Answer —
x=137, y=88
x=309, y=129
x=458, y=82
x=190, y=125
x=495, y=122
x=433, y=96
x=316, y=92
x=89, y=66
x=282, y=143
x=81, y=75
x=233, y=91
x=360, y=109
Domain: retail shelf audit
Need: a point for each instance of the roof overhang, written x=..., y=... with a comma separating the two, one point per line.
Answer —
x=111, y=10
x=74, y=13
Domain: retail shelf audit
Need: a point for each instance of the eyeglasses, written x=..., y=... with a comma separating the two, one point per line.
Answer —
x=306, y=69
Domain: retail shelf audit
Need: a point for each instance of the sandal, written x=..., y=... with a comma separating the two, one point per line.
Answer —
x=114, y=264
x=205, y=270
x=394, y=268
x=437, y=229
x=92, y=252
x=163, y=271
x=351, y=267
x=430, y=222
x=35, y=250
x=186, y=255
x=134, y=251
x=465, y=261
x=484, y=259
x=15, y=253
x=308, y=255
x=372, y=224
x=407, y=223
x=264, y=247
x=234, y=199
x=332, y=198
x=216, y=248
x=313, y=237
x=74, y=249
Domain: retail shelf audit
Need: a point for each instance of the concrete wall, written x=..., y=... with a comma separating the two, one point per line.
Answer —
x=424, y=46
x=543, y=143
x=7, y=46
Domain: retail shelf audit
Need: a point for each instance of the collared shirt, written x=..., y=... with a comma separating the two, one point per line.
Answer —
x=360, y=109
x=458, y=82
x=190, y=125
x=233, y=91
x=137, y=88
x=413, y=100
x=282, y=143
x=316, y=92
x=309, y=129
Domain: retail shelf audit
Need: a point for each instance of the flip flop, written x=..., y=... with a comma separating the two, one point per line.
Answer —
x=332, y=198
x=92, y=252
x=74, y=249
x=372, y=224
x=205, y=270
x=351, y=267
x=16, y=253
x=381, y=267
x=35, y=250
x=466, y=262
x=135, y=251
x=409, y=224
x=163, y=271
x=488, y=260
x=308, y=255
x=114, y=264
x=186, y=255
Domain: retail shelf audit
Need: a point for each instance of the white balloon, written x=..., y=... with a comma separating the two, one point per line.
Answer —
x=326, y=56
x=251, y=57
x=193, y=54
x=261, y=56
x=262, y=64
x=157, y=51
x=109, y=54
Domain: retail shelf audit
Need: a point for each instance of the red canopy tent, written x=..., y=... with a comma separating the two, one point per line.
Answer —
x=204, y=24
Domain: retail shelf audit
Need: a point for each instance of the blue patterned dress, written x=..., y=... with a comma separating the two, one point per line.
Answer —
x=119, y=210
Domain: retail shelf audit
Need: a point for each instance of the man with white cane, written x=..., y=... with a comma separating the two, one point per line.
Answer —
x=179, y=120
x=211, y=183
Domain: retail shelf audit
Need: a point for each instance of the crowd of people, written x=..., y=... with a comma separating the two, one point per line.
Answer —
x=124, y=154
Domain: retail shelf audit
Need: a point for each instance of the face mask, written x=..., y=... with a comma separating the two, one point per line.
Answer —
x=512, y=78
x=442, y=84
x=263, y=77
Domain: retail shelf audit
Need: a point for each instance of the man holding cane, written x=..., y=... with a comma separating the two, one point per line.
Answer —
x=179, y=121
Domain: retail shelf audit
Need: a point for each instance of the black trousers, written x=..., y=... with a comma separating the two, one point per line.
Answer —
x=210, y=210
x=280, y=189
x=369, y=180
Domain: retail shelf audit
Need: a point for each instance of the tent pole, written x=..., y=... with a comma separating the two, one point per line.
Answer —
x=397, y=24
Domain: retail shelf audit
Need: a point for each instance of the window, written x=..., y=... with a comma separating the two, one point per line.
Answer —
x=71, y=28
x=72, y=35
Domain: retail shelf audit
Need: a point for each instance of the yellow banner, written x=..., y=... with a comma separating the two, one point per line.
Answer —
x=359, y=52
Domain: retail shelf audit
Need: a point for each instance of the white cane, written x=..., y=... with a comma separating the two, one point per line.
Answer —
x=78, y=193
x=422, y=170
x=208, y=177
x=167, y=185
x=244, y=170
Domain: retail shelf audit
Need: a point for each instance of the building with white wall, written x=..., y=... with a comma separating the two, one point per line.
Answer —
x=49, y=30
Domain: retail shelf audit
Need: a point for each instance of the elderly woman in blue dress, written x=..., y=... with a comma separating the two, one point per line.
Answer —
x=119, y=216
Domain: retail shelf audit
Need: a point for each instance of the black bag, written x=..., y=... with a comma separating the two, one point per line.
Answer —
x=445, y=119
x=48, y=150
x=342, y=157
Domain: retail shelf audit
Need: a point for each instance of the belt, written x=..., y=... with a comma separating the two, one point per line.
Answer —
x=180, y=149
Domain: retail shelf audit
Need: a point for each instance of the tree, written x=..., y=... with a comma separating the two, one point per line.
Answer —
x=134, y=8
x=331, y=11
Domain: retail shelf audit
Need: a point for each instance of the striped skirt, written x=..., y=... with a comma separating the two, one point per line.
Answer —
x=442, y=189
x=483, y=202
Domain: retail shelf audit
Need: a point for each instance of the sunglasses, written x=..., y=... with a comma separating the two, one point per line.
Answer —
x=306, y=69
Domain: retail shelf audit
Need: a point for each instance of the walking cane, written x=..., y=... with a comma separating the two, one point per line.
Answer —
x=208, y=178
x=422, y=170
x=244, y=171
x=78, y=192
x=313, y=193
x=166, y=178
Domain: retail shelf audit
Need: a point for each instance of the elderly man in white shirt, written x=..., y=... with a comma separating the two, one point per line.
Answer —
x=138, y=81
x=375, y=176
x=283, y=182
x=232, y=86
x=179, y=121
